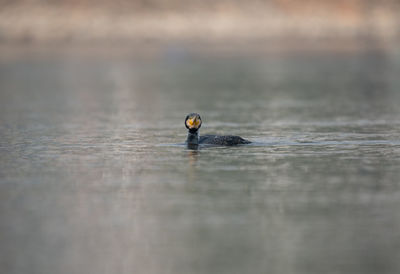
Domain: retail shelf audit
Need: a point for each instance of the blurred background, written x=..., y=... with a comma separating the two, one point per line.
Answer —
x=94, y=173
x=84, y=21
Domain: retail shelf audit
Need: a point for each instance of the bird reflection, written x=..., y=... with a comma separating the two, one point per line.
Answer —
x=193, y=147
x=193, y=155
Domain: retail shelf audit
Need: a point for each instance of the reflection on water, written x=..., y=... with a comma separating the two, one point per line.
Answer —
x=90, y=184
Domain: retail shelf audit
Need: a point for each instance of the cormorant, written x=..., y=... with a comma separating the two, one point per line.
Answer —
x=193, y=123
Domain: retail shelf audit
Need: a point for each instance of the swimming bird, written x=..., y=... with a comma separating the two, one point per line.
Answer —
x=193, y=123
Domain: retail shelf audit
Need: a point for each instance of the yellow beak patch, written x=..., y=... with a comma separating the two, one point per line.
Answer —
x=193, y=122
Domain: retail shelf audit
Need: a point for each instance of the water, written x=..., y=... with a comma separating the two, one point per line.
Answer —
x=92, y=179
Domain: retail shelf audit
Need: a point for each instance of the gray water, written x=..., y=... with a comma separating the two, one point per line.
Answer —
x=92, y=179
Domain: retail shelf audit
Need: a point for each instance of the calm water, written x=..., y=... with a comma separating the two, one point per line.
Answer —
x=91, y=181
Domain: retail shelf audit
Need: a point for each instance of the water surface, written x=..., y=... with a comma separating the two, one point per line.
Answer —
x=91, y=181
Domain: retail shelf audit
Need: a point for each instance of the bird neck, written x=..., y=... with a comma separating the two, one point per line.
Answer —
x=193, y=137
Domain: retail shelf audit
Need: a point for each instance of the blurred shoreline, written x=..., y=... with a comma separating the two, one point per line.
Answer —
x=145, y=50
x=92, y=22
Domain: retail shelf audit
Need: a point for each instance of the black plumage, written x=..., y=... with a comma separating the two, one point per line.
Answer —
x=193, y=123
x=224, y=140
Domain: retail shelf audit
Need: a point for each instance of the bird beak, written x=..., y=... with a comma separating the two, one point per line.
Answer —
x=193, y=122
